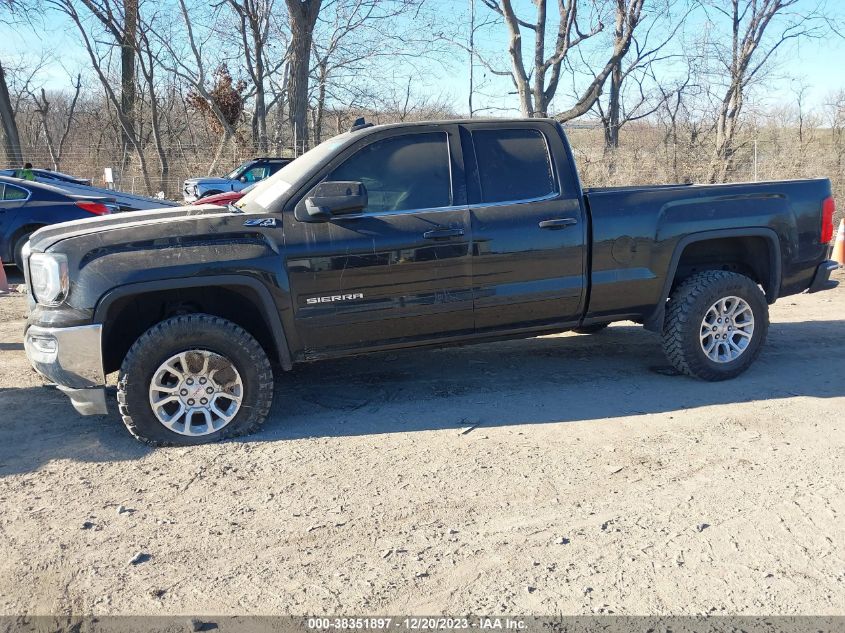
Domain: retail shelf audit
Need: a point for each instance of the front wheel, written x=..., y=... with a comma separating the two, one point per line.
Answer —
x=194, y=379
x=715, y=326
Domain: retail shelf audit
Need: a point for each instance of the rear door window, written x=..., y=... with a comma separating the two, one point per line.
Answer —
x=402, y=173
x=15, y=193
x=513, y=165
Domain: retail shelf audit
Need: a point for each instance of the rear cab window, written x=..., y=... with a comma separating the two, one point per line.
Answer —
x=514, y=165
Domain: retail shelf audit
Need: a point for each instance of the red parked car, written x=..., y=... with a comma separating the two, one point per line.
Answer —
x=222, y=199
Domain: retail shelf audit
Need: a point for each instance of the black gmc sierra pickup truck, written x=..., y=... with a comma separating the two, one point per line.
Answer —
x=398, y=236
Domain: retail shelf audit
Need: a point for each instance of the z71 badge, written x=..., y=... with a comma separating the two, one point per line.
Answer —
x=333, y=298
x=260, y=222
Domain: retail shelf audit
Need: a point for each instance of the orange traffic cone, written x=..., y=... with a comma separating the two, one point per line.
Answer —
x=4, y=283
x=839, y=245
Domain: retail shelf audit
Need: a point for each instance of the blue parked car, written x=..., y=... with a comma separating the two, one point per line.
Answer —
x=26, y=206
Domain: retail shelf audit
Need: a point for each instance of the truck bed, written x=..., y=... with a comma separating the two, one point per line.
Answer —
x=637, y=230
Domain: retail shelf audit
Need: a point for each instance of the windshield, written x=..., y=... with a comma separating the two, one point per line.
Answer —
x=232, y=175
x=267, y=193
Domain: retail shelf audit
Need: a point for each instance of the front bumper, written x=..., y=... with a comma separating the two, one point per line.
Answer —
x=821, y=280
x=72, y=358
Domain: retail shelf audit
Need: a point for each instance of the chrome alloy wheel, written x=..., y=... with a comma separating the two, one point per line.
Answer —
x=727, y=329
x=196, y=392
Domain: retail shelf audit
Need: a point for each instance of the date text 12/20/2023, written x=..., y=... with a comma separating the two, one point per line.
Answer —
x=417, y=623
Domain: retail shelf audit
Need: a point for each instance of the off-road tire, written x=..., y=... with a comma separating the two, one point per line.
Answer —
x=684, y=315
x=193, y=331
x=590, y=329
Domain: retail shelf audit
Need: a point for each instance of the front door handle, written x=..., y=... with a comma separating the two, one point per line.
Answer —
x=442, y=233
x=557, y=223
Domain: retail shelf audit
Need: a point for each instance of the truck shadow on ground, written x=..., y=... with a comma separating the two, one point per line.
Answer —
x=617, y=373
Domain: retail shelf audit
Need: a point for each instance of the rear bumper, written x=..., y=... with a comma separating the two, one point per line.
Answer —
x=72, y=358
x=821, y=280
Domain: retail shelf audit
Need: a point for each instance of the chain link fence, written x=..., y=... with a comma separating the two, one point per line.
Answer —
x=184, y=161
x=647, y=155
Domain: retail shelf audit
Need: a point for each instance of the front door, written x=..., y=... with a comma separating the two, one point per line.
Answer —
x=398, y=272
x=528, y=227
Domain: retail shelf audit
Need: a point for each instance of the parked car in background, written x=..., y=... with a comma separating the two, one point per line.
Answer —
x=240, y=178
x=224, y=199
x=26, y=206
x=47, y=176
x=82, y=187
x=125, y=201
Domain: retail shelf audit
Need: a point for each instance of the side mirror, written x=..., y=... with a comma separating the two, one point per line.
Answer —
x=336, y=198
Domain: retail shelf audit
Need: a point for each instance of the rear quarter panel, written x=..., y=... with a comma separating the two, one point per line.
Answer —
x=639, y=232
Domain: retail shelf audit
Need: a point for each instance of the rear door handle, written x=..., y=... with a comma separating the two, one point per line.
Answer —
x=443, y=233
x=557, y=223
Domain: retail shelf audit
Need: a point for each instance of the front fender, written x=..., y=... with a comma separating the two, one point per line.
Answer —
x=268, y=307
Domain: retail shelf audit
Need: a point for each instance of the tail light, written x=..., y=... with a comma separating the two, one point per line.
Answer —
x=828, y=209
x=98, y=208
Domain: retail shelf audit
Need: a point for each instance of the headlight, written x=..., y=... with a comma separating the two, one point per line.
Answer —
x=48, y=276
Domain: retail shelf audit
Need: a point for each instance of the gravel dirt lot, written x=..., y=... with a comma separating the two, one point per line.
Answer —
x=591, y=484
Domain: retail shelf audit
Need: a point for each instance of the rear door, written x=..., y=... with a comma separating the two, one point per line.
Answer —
x=398, y=272
x=529, y=256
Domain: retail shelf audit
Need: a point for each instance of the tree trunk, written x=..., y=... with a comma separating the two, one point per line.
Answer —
x=11, y=139
x=611, y=124
x=127, y=66
x=726, y=127
x=218, y=155
x=303, y=16
x=322, y=77
x=260, y=110
x=259, y=122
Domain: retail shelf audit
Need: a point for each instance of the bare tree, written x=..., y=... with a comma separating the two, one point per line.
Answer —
x=634, y=89
x=108, y=14
x=191, y=66
x=8, y=121
x=355, y=38
x=127, y=37
x=120, y=20
x=149, y=63
x=758, y=28
x=302, y=17
x=42, y=107
x=255, y=26
x=536, y=88
x=11, y=137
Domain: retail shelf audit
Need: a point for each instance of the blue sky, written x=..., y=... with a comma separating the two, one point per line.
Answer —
x=818, y=63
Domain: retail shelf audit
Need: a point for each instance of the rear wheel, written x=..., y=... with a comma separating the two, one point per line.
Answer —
x=194, y=379
x=715, y=326
x=19, y=244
